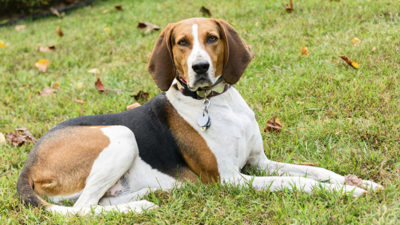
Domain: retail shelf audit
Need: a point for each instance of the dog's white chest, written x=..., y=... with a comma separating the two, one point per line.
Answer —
x=232, y=127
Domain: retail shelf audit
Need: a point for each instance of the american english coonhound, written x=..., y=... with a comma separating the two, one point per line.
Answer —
x=199, y=128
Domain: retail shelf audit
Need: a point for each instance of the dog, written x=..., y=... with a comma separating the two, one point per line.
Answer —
x=198, y=129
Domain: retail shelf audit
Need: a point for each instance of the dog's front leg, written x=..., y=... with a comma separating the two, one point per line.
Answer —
x=277, y=183
x=258, y=159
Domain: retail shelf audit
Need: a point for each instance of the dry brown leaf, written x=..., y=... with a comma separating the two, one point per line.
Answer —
x=118, y=7
x=94, y=70
x=2, y=138
x=141, y=96
x=355, y=41
x=205, y=11
x=47, y=91
x=132, y=106
x=55, y=85
x=353, y=64
x=42, y=65
x=304, y=51
x=273, y=125
x=79, y=100
x=20, y=136
x=289, y=8
x=148, y=26
x=59, y=32
x=55, y=12
x=99, y=85
x=353, y=180
x=47, y=48
x=20, y=27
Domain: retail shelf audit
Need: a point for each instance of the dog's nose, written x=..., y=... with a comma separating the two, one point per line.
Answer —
x=201, y=67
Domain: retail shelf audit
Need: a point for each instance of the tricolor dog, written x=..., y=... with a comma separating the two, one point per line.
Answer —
x=200, y=128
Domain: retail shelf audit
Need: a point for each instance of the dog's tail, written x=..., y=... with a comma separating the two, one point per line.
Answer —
x=26, y=192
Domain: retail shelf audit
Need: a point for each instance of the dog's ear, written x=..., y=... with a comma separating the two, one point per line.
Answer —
x=237, y=53
x=161, y=65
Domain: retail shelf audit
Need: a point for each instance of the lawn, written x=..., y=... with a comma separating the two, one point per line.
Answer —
x=334, y=116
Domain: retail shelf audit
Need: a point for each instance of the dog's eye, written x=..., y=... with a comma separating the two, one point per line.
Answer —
x=183, y=42
x=212, y=39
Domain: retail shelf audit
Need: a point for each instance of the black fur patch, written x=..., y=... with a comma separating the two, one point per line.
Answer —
x=157, y=146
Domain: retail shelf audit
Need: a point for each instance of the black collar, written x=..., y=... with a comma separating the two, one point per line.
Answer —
x=218, y=88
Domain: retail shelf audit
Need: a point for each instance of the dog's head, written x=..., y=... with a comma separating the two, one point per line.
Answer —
x=199, y=51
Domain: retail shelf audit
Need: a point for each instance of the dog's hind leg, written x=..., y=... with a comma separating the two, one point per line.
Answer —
x=126, y=198
x=112, y=163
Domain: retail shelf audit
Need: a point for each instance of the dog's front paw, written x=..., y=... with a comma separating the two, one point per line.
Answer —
x=370, y=185
x=353, y=180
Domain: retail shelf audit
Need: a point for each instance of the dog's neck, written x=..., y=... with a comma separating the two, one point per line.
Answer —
x=218, y=88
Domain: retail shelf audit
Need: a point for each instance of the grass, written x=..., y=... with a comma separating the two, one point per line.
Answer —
x=339, y=118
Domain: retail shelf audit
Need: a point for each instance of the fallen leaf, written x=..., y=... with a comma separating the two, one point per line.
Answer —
x=141, y=96
x=2, y=138
x=353, y=180
x=273, y=124
x=79, y=85
x=20, y=27
x=304, y=51
x=54, y=11
x=42, y=65
x=79, y=100
x=47, y=91
x=20, y=136
x=205, y=11
x=148, y=26
x=59, y=32
x=55, y=85
x=355, y=41
x=353, y=64
x=132, y=106
x=47, y=48
x=107, y=29
x=118, y=7
x=99, y=85
x=289, y=8
x=94, y=70
x=2, y=44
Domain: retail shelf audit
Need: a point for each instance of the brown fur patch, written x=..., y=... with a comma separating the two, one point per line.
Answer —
x=194, y=149
x=65, y=158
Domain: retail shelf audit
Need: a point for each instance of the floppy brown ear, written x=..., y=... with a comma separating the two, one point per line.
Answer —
x=237, y=53
x=161, y=65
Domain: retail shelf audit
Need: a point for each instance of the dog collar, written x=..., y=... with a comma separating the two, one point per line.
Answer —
x=218, y=88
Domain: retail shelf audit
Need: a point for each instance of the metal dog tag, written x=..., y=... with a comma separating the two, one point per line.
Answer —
x=204, y=121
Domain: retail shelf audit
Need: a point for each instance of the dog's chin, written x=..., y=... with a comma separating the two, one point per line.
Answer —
x=200, y=84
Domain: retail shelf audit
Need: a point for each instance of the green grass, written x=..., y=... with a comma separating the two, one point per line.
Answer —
x=339, y=118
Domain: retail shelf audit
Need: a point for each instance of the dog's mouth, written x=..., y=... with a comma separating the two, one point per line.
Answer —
x=201, y=82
